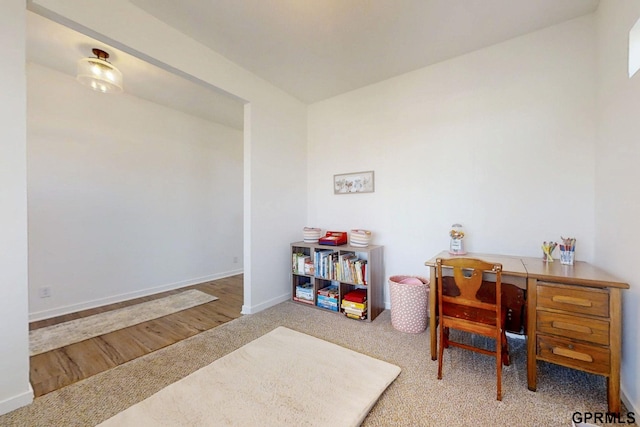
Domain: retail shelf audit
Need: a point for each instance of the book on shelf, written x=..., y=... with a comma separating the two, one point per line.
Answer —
x=309, y=269
x=305, y=291
x=308, y=286
x=357, y=295
x=327, y=300
x=355, y=316
x=354, y=305
x=327, y=305
x=294, y=264
x=331, y=290
x=354, y=311
x=298, y=262
x=303, y=300
x=361, y=271
x=301, y=263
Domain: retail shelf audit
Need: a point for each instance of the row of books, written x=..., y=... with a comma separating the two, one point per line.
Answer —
x=302, y=264
x=346, y=267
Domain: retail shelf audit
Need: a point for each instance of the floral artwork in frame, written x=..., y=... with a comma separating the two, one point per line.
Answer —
x=356, y=182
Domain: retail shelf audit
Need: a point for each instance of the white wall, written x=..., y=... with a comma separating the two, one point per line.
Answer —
x=274, y=135
x=617, y=176
x=501, y=140
x=125, y=197
x=15, y=390
x=274, y=160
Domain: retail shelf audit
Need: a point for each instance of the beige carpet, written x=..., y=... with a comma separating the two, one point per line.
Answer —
x=464, y=397
x=73, y=331
x=283, y=378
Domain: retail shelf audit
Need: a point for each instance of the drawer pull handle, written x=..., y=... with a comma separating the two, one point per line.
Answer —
x=571, y=300
x=559, y=351
x=571, y=327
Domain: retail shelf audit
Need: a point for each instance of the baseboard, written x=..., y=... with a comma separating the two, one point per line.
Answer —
x=262, y=306
x=59, y=311
x=17, y=401
x=627, y=403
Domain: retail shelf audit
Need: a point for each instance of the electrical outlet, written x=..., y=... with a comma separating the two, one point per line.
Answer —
x=44, y=292
x=235, y=259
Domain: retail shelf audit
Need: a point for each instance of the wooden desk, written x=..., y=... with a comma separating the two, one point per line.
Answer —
x=573, y=316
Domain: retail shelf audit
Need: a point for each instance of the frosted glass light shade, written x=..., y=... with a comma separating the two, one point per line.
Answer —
x=99, y=75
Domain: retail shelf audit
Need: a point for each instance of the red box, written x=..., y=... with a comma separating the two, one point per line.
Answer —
x=334, y=238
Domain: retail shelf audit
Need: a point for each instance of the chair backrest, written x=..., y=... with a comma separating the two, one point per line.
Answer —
x=467, y=275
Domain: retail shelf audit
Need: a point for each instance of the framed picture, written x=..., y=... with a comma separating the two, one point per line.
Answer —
x=356, y=182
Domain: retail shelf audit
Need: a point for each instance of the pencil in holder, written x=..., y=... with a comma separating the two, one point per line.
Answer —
x=567, y=251
x=567, y=257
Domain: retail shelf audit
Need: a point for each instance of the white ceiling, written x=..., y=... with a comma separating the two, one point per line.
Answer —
x=318, y=49
x=311, y=49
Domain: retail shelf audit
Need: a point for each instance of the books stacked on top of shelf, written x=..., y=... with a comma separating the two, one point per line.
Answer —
x=304, y=293
x=328, y=298
x=354, y=304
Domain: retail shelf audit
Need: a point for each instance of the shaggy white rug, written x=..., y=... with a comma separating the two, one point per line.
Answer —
x=73, y=331
x=283, y=378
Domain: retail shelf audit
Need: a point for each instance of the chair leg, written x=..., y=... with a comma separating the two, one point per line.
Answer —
x=446, y=338
x=505, y=350
x=440, y=350
x=499, y=369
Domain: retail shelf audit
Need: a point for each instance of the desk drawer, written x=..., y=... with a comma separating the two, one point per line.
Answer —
x=575, y=327
x=574, y=299
x=561, y=351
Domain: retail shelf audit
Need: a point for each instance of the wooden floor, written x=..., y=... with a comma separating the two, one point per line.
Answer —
x=63, y=366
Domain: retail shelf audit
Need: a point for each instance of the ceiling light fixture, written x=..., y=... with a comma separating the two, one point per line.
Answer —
x=99, y=74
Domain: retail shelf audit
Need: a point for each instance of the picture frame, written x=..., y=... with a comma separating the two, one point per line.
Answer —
x=354, y=182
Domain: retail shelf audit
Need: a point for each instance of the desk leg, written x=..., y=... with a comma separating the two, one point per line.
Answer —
x=433, y=291
x=532, y=294
x=615, y=347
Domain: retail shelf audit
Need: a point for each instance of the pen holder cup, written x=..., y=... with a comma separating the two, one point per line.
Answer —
x=567, y=257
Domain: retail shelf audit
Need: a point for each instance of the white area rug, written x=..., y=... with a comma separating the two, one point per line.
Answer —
x=283, y=378
x=73, y=331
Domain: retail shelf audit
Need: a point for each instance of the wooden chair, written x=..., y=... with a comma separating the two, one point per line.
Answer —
x=465, y=311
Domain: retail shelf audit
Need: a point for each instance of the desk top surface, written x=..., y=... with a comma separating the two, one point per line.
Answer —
x=581, y=273
x=511, y=265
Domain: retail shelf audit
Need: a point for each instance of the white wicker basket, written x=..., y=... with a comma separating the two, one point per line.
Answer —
x=360, y=238
x=311, y=234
